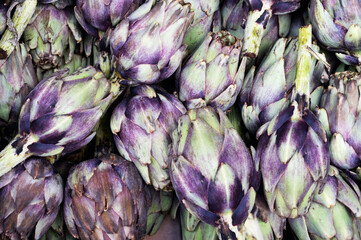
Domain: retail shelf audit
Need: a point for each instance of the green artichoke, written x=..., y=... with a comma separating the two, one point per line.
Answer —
x=335, y=213
x=17, y=79
x=52, y=34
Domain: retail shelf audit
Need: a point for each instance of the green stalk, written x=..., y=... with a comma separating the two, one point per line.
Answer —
x=305, y=63
x=253, y=33
x=10, y=158
x=23, y=13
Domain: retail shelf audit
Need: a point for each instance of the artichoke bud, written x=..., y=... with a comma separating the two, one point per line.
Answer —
x=213, y=75
x=31, y=195
x=219, y=193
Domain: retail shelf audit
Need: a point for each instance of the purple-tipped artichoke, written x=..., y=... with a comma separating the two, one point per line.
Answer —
x=266, y=90
x=294, y=160
x=334, y=214
x=52, y=35
x=142, y=125
x=214, y=74
x=149, y=43
x=59, y=116
x=17, y=79
x=106, y=198
x=202, y=22
x=30, y=195
x=211, y=169
x=336, y=24
x=340, y=114
x=94, y=15
x=261, y=11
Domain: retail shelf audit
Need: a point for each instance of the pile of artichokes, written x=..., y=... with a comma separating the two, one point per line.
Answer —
x=180, y=119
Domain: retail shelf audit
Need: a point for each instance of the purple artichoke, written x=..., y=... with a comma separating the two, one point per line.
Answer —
x=142, y=125
x=94, y=15
x=59, y=116
x=211, y=169
x=213, y=75
x=149, y=43
x=30, y=195
x=340, y=114
x=106, y=198
x=294, y=160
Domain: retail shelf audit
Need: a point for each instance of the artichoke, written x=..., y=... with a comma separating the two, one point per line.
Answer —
x=17, y=79
x=59, y=116
x=340, y=114
x=149, y=43
x=105, y=198
x=52, y=35
x=335, y=213
x=213, y=74
x=202, y=22
x=336, y=25
x=294, y=159
x=193, y=228
x=211, y=169
x=30, y=195
x=94, y=15
x=293, y=148
x=142, y=125
x=266, y=91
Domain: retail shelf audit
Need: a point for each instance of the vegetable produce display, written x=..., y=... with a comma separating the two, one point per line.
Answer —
x=180, y=119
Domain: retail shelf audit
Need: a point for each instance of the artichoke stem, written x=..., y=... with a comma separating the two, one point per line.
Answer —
x=11, y=156
x=304, y=63
x=255, y=26
x=23, y=13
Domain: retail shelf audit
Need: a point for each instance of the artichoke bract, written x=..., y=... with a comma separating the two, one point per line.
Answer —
x=336, y=24
x=293, y=150
x=105, y=198
x=3, y=11
x=52, y=34
x=149, y=43
x=262, y=224
x=17, y=79
x=213, y=75
x=266, y=91
x=94, y=15
x=202, y=22
x=334, y=214
x=59, y=116
x=340, y=114
x=31, y=195
x=161, y=203
x=211, y=170
x=142, y=125
x=193, y=228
